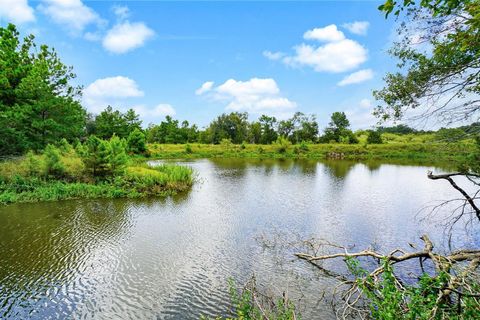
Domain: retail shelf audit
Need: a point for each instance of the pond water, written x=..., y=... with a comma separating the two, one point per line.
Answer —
x=171, y=258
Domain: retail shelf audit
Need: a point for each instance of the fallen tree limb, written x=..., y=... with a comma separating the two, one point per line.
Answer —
x=457, y=268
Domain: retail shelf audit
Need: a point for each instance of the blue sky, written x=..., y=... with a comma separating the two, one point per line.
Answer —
x=195, y=60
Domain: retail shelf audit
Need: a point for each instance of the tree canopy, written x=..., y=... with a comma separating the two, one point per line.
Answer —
x=438, y=59
x=38, y=105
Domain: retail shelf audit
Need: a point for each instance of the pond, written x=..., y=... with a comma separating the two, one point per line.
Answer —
x=172, y=258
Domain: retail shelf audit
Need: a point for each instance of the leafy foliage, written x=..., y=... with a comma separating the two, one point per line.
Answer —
x=136, y=142
x=443, y=79
x=113, y=122
x=38, y=106
x=374, y=137
x=389, y=300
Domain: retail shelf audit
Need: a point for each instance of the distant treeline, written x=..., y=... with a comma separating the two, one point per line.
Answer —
x=236, y=128
x=39, y=106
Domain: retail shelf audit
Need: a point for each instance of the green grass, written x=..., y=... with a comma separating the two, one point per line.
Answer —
x=17, y=186
x=431, y=151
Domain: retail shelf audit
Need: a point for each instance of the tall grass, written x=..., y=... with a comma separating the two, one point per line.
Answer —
x=61, y=173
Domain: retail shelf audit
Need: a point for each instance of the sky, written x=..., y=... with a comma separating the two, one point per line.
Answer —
x=196, y=60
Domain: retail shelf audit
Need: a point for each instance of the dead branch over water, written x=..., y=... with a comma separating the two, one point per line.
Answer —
x=461, y=265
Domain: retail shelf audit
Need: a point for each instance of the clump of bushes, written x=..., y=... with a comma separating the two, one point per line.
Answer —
x=282, y=144
x=374, y=137
x=91, y=165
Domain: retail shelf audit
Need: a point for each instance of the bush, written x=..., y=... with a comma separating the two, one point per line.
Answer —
x=188, y=148
x=374, y=137
x=227, y=143
x=53, y=162
x=136, y=142
x=34, y=165
x=282, y=144
x=303, y=146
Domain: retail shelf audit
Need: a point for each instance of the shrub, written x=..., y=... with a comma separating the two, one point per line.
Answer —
x=303, y=146
x=227, y=143
x=188, y=148
x=136, y=142
x=53, y=162
x=282, y=144
x=34, y=165
x=374, y=137
x=74, y=167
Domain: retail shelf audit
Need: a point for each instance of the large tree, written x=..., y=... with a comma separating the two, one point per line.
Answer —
x=438, y=56
x=38, y=105
x=113, y=122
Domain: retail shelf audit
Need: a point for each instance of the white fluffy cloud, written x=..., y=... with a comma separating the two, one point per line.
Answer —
x=357, y=27
x=256, y=96
x=73, y=14
x=118, y=86
x=16, y=11
x=357, y=77
x=273, y=55
x=329, y=33
x=122, y=12
x=158, y=112
x=126, y=36
x=335, y=57
x=207, y=86
x=112, y=90
x=119, y=92
x=335, y=54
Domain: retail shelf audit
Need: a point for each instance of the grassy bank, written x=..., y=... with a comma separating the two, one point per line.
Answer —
x=434, y=152
x=138, y=182
x=99, y=170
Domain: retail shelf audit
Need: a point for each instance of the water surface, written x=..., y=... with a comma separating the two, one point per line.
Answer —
x=171, y=258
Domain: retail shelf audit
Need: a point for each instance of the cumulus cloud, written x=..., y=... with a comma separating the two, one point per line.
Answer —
x=16, y=11
x=255, y=96
x=126, y=36
x=207, y=86
x=120, y=92
x=334, y=57
x=122, y=12
x=335, y=54
x=72, y=14
x=329, y=33
x=158, y=112
x=357, y=27
x=357, y=77
x=109, y=91
x=273, y=55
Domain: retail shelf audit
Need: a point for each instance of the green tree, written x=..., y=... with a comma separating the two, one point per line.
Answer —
x=38, y=105
x=268, y=129
x=113, y=122
x=255, y=132
x=136, y=142
x=233, y=126
x=338, y=129
x=116, y=155
x=95, y=156
x=443, y=78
